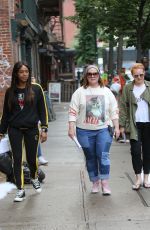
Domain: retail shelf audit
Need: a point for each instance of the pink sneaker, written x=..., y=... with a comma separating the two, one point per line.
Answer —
x=105, y=188
x=95, y=187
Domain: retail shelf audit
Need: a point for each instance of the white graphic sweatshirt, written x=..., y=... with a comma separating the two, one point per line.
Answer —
x=93, y=108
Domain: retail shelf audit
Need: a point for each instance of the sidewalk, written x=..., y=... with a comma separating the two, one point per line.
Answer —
x=66, y=202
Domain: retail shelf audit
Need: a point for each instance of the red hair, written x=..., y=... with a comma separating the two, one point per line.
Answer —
x=137, y=66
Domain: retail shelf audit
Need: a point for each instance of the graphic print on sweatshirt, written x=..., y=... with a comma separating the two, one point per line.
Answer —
x=95, y=109
x=21, y=100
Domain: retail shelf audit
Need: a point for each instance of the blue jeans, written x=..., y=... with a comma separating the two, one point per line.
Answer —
x=39, y=150
x=96, y=145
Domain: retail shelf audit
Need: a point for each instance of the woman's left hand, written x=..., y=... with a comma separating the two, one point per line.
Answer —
x=116, y=133
x=43, y=136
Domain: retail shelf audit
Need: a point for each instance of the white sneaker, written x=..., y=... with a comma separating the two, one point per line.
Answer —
x=20, y=195
x=36, y=185
x=42, y=161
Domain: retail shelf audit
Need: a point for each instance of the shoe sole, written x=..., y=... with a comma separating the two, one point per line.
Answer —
x=146, y=186
x=19, y=199
x=38, y=190
x=106, y=194
x=45, y=164
x=94, y=192
x=136, y=187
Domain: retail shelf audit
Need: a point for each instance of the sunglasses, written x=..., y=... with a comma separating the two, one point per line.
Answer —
x=138, y=75
x=92, y=74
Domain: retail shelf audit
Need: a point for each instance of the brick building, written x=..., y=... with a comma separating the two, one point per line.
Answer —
x=6, y=48
x=25, y=34
x=69, y=28
x=34, y=31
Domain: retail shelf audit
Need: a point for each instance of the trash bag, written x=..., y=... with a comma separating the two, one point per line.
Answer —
x=27, y=176
x=6, y=167
x=5, y=156
x=4, y=145
x=6, y=163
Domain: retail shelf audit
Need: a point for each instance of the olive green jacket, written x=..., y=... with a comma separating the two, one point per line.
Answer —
x=128, y=106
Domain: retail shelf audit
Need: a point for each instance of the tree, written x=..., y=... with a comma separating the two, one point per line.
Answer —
x=140, y=35
x=132, y=20
x=86, y=21
x=119, y=18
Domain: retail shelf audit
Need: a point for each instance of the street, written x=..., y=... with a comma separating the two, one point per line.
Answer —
x=66, y=202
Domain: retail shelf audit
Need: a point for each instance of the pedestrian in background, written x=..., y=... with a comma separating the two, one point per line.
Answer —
x=135, y=117
x=24, y=107
x=93, y=108
x=145, y=62
x=115, y=87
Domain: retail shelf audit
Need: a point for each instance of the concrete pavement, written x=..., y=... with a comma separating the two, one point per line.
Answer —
x=66, y=202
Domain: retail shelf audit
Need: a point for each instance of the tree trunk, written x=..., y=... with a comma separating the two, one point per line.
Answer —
x=95, y=43
x=111, y=54
x=139, y=52
x=119, y=54
x=139, y=30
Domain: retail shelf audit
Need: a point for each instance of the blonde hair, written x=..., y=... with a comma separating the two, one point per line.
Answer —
x=85, y=80
x=137, y=66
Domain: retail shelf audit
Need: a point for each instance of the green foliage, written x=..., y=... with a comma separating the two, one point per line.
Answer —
x=104, y=18
x=87, y=23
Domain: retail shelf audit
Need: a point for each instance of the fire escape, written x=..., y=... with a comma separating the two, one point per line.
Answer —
x=56, y=28
x=59, y=59
x=50, y=14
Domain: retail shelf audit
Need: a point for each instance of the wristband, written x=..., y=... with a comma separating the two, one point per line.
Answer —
x=45, y=130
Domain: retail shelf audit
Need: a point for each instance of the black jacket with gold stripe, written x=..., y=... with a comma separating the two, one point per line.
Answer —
x=23, y=114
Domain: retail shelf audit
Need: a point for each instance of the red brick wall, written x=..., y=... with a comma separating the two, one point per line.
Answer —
x=69, y=28
x=6, y=57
